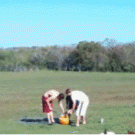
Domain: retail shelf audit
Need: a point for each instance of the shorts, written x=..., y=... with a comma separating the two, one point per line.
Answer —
x=82, y=108
x=46, y=108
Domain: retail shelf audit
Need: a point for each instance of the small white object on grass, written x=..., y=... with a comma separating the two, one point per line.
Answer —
x=102, y=120
x=108, y=133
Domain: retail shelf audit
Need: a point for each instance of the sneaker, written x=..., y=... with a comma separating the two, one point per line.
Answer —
x=50, y=123
x=53, y=121
x=84, y=122
x=77, y=125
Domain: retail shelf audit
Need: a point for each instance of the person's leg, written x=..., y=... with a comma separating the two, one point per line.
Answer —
x=84, y=119
x=83, y=111
x=77, y=120
x=51, y=113
x=52, y=118
x=49, y=117
x=78, y=114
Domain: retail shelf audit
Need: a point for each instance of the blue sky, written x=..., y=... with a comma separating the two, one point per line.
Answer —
x=39, y=22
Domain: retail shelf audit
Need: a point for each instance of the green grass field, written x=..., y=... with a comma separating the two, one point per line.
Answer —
x=112, y=97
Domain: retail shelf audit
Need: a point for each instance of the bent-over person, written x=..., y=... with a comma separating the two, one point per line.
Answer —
x=47, y=103
x=83, y=100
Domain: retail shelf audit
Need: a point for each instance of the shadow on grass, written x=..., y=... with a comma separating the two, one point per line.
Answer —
x=45, y=120
x=41, y=121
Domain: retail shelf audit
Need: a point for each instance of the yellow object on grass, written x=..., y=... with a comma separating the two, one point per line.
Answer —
x=64, y=120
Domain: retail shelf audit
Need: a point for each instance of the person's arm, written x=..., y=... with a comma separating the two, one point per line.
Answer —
x=73, y=108
x=61, y=106
x=48, y=102
x=73, y=97
x=67, y=102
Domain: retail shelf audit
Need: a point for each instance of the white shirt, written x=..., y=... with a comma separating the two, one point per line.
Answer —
x=79, y=96
x=53, y=93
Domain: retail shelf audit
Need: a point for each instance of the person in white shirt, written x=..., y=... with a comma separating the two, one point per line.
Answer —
x=83, y=100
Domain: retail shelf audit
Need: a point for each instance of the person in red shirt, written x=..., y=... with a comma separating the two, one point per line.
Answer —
x=47, y=103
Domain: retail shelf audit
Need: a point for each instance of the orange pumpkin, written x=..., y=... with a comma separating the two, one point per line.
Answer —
x=64, y=120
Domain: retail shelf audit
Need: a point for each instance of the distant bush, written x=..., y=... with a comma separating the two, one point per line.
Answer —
x=106, y=56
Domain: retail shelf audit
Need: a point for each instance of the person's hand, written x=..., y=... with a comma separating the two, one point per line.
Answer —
x=51, y=108
x=70, y=111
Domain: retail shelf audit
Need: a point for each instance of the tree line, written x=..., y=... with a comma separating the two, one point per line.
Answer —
x=105, y=56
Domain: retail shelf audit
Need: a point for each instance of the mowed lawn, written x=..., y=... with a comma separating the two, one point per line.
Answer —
x=112, y=97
